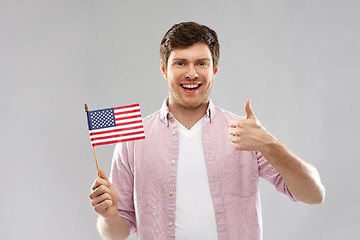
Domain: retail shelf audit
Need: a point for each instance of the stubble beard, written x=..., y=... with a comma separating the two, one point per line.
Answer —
x=190, y=106
x=202, y=101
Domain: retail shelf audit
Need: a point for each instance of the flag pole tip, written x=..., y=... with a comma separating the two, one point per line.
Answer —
x=86, y=108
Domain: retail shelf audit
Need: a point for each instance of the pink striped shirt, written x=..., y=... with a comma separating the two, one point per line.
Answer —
x=144, y=174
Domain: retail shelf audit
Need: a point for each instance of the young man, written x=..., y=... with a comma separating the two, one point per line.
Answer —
x=196, y=174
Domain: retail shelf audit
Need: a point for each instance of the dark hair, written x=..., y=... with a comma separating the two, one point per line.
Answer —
x=187, y=33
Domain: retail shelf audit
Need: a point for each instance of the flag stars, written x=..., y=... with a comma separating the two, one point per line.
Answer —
x=102, y=118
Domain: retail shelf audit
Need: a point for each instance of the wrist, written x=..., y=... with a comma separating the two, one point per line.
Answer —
x=110, y=218
x=270, y=144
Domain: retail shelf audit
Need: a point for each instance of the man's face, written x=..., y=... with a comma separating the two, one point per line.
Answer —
x=189, y=74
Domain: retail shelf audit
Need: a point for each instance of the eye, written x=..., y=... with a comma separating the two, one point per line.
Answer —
x=179, y=63
x=203, y=63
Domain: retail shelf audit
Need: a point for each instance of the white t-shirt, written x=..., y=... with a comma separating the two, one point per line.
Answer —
x=195, y=216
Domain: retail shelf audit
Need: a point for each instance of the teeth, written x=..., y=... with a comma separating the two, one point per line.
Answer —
x=190, y=86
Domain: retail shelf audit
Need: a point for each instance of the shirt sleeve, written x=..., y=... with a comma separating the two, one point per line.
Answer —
x=270, y=174
x=122, y=178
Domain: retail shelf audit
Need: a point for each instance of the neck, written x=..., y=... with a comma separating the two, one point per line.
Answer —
x=188, y=117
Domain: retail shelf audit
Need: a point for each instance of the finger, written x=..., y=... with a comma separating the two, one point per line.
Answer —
x=101, y=207
x=231, y=130
x=101, y=180
x=100, y=199
x=98, y=182
x=102, y=174
x=233, y=123
x=102, y=189
x=232, y=138
x=249, y=112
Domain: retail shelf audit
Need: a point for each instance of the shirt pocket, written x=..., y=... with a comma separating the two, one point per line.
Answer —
x=240, y=174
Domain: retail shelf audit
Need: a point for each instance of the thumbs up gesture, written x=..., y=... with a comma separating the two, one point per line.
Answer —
x=248, y=134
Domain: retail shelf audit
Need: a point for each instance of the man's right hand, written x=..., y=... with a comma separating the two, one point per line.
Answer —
x=104, y=197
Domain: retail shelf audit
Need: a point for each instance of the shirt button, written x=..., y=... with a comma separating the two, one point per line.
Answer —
x=171, y=193
x=173, y=161
x=170, y=224
x=174, y=132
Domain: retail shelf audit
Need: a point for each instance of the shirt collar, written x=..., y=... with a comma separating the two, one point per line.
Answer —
x=165, y=114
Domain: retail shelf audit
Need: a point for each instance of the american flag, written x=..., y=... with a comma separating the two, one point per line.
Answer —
x=118, y=124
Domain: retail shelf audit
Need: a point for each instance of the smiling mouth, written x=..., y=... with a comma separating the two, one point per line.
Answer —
x=190, y=86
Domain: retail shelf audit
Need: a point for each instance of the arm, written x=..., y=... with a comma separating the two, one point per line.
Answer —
x=115, y=228
x=104, y=199
x=302, y=179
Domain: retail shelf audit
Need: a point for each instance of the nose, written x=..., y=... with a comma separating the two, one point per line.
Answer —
x=191, y=72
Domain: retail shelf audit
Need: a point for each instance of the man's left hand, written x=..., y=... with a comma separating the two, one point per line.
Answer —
x=248, y=134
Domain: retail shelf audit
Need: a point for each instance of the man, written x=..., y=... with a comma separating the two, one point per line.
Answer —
x=196, y=174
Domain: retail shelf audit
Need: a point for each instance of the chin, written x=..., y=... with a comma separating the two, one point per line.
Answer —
x=193, y=105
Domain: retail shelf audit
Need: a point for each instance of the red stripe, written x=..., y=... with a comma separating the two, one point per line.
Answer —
x=126, y=112
x=129, y=117
x=128, y=123
x=128, y=106
x=115, y=141
x=118, y=135
x=115, y=130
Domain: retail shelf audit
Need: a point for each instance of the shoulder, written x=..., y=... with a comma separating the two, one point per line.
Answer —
x=152, y=121
x=153, y=116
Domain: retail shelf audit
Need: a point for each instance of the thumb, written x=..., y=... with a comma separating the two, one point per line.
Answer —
x=249, y=112
x=102, y=174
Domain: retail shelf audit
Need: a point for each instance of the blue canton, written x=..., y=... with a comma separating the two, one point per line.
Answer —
x=103, y=118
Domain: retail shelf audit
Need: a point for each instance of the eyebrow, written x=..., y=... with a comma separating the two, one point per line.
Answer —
x=205, y=59
x=184, y=59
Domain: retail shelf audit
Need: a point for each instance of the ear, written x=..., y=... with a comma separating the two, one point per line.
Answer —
x=163, y=69
x=216, y=70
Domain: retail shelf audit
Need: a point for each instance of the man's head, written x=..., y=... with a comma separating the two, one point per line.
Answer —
x=185, y=34
x=189, y=63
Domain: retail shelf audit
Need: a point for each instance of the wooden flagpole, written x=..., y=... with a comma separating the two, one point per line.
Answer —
x=97, y=164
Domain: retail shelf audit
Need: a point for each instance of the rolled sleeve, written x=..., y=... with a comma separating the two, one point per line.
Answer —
x=122, y=178
x=270, y=174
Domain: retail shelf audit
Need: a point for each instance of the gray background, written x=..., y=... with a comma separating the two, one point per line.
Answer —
x=297, y=60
